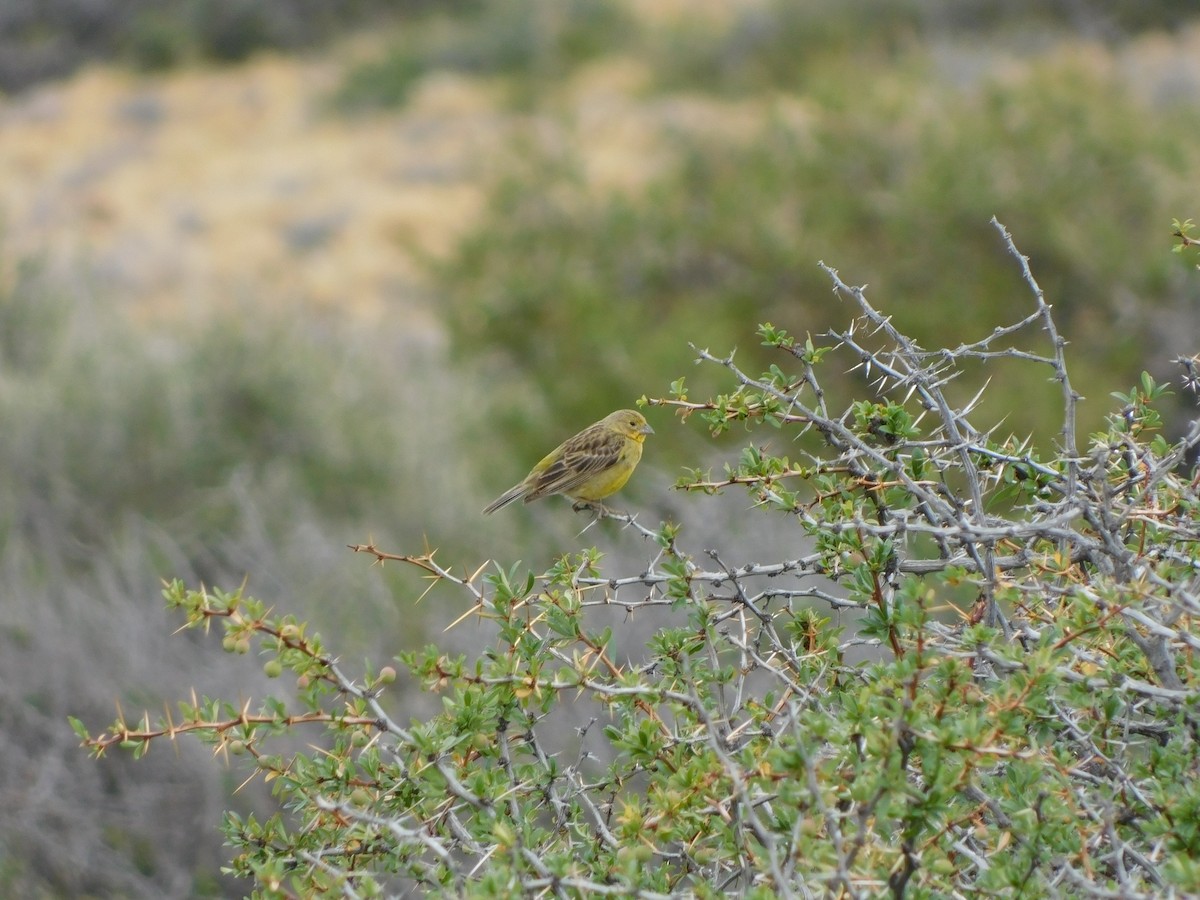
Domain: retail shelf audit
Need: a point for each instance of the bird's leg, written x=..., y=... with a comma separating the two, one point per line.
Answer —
x=600, y=511
x=596, y=509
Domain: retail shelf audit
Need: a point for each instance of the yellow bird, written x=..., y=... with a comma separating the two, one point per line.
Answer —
x=588, y=467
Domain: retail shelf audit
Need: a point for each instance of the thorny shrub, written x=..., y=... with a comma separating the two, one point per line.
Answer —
x=979, y=678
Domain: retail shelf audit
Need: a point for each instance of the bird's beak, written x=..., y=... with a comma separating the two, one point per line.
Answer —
x=646, y=429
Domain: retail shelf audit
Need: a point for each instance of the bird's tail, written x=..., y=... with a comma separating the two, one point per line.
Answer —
x=516, y=492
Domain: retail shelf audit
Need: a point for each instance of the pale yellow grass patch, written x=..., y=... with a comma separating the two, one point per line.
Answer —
x=208, y=185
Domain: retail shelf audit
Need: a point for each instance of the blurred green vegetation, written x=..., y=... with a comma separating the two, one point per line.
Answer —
x=787, y=46
x=766, y=44
x=531, y=44
x=586, y=299
x=162, y=35
x=52, y=38
x=192, y=427
x=778, y=45
x=784, y=45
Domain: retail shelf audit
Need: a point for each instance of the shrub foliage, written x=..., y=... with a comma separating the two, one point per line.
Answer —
x=976, y=675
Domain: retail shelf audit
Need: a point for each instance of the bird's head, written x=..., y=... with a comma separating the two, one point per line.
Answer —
x=630, y=423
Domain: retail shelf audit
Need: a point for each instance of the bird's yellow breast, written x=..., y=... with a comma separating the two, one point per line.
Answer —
x=612, y=479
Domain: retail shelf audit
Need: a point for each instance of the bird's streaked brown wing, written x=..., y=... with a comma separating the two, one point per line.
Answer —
x=592, y=450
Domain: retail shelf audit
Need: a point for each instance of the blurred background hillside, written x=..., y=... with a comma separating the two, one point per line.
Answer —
x=279, y=276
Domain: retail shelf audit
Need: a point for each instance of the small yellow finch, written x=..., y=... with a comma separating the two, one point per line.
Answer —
x=588, y=467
